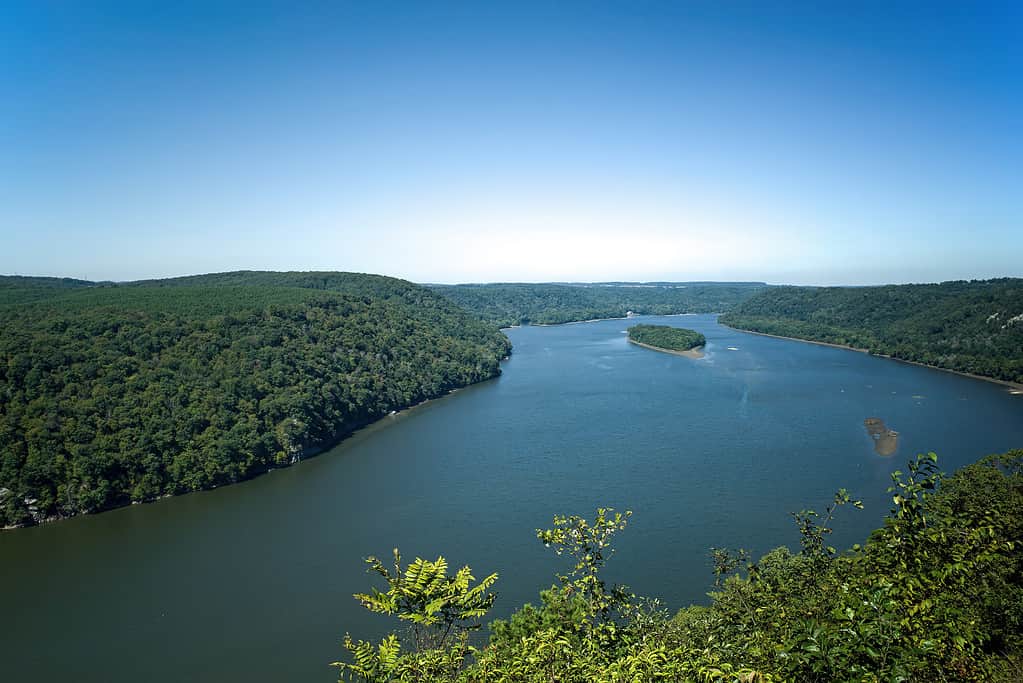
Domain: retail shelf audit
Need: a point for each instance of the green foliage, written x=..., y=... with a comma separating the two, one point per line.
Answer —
x=974, y=327
x=559, y=612
x=590, y=545
x=936, y=594
x=369, y=663
x=442, y=610
x=665, y=337
x=386, y=662
x=813, y=534
x=434, y=602
x=111, y=394
x=913, y=603
x=550, y=304
x=726, y=561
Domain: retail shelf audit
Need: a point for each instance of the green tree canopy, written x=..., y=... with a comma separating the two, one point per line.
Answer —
x=111, y=394
x=974, y=327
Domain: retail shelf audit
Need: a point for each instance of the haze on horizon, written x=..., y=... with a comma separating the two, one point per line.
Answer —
x=483, y=142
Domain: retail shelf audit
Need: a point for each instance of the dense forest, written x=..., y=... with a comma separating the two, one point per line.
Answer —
x=112, y=394
x=665, y=337
x=935, y=594
x=550, y=304
x=974, y=326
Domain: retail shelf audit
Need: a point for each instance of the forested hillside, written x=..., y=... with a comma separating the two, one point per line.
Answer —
x=19, y=289
x=974, y=326
x=111, y=394
x=936, y=594
x=549, y=304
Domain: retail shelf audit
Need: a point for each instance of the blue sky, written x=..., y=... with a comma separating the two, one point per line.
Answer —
x=829, y=143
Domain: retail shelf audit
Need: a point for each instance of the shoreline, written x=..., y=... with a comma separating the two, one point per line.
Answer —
x=695, y=353
x=597, y=320
x=1015, y=387
x=308, y=452
x=579, y=322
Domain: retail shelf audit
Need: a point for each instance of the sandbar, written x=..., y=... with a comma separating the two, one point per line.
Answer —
x=696, y=352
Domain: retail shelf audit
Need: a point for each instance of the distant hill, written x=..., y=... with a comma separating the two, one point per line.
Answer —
x=974, y=326
x=547, y=304
x=20, y=289
x=116, y=393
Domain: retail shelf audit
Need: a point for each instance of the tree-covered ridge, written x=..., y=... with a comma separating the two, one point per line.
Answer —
x=16, y=289
x=935, y=594
x=665, y=337
x=354, y=284
x=974, y=327
x=550, y=304
x=111, y=394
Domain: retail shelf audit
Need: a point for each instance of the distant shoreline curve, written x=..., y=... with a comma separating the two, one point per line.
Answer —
x=1015, y=386
x=576, y=322
x=597, y=320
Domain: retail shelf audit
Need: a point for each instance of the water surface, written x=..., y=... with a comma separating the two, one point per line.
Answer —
x=254, y=581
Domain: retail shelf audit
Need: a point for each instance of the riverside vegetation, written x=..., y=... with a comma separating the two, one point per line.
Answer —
x=666, y=337
x=115, y=393
x=112, y=394
x=935, y=594
x=974, y=327
x=550, y=304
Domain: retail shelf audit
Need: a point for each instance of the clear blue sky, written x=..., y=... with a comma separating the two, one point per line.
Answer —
x=846, y=142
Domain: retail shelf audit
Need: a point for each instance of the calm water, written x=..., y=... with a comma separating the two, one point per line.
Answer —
x=253, y=582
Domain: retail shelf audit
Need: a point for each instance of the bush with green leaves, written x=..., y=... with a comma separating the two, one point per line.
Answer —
x=441, y=610
x=935, y=594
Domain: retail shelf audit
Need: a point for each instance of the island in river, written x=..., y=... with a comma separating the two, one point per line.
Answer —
x=677, y=340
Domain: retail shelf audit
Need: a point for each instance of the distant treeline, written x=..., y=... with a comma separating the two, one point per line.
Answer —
x=111, y=394
x=974, y=327
x=664, y=337
x=549, y=304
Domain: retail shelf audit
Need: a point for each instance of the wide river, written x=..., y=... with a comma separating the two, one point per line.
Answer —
x=253, y=582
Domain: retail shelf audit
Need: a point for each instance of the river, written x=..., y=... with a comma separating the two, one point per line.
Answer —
x=253, y=581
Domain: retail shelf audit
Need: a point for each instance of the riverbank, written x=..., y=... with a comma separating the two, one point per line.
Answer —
x=578, y=322
x=1015, y=388
x=307, y=452
x=695, y=353
x=598, y=320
